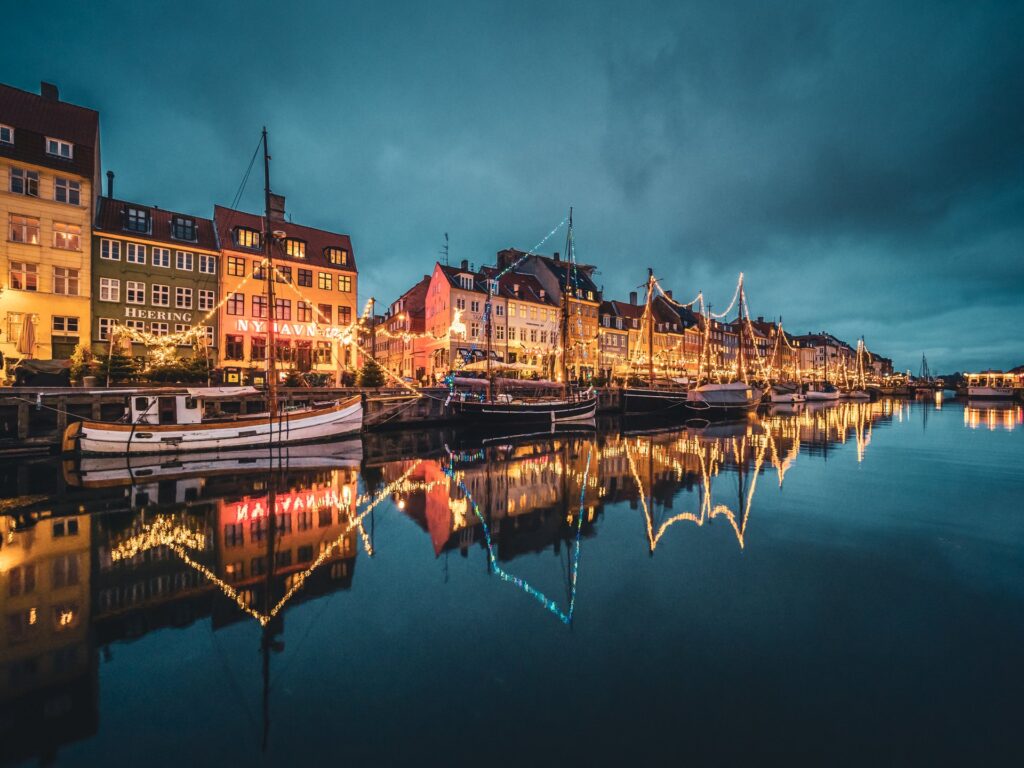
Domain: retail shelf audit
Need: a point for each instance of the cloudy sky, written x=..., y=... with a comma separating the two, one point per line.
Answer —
x=861, y=163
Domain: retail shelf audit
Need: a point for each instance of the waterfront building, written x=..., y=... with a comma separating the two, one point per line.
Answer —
x=525, y=323
x=584, y=299
x=314, y=294
x=453, y=316
x=822, y=351
x=49, y=171
x=155, y=272
x=403, y=350
x=612, y=343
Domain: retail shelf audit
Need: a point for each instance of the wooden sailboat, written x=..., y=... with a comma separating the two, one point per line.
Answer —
x=858, y=391
x=504, y=409
x=785, y=392
x=169, y=424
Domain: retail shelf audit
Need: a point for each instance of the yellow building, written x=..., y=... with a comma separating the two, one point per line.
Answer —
x=49, y=169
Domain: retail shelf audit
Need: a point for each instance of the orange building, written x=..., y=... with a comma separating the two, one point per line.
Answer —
x=314, y=296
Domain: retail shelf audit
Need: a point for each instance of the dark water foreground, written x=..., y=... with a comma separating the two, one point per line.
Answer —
x=835, y=585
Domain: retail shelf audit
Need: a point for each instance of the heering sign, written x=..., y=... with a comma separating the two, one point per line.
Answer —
x=155, y=314
x=293, y=329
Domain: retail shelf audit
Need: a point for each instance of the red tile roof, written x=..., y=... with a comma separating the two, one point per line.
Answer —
x=110, y=218
x=317, y=240
x=34, y=117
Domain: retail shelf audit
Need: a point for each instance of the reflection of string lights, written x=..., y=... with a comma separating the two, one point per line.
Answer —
x=161, y=532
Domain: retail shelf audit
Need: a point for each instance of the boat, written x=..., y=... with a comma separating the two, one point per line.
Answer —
x=504, y=408
x=171, y=424
x=991, y=385
x=821, y=391
x=786, y=392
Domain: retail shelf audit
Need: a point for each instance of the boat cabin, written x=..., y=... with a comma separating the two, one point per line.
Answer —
x=165, y=409
x=996, y=379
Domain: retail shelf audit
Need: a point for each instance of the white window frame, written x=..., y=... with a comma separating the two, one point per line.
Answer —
x=59, y=144
x=63, y=329
x=70, y=273
x=164, y=292
x=182, y=257
x=161, y=257
x=158, y=328
x=136, y=325
x=110, y=289
x=103, y=326
x=24, y=269
x=110, y=246
x=180, y=294
x=136, y=288
x=29, y=181
x=207, y=264
x=134, y=253
x=207, y=299
x=66, y=235
x=70, y=188
x=9, y=141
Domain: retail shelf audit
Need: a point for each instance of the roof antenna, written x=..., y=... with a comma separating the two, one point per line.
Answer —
x=444, y=249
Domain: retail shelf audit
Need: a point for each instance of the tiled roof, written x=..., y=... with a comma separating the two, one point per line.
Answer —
x=530, y=288
x=317, y=240
x=581, y=278
x=110, y=217
x=34, y=117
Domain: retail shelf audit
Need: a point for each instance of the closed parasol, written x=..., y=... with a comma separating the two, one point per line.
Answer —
x=27, y=338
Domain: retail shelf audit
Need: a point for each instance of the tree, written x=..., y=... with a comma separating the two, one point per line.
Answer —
x=117, y=367
x=372, y=375
x=82, y=362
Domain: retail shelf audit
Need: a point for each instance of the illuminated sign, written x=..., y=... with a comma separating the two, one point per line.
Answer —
x=155, y=314
x=343, y=334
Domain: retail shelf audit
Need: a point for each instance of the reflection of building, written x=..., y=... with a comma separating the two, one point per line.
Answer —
x=48, y=683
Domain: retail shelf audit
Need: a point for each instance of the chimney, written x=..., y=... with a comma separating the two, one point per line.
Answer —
x=49, y=91
x=558, y=256
x=543, y=293
x=515, y=288
x=110, y=185
x=632, y=298
x=276, y=207
x=465, y=265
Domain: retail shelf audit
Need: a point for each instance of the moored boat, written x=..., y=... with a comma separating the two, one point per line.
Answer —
x=822, y=391
x=991, y=385
x=786, y=392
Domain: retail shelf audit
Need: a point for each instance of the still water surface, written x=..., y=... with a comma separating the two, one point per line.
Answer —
x=835, y=584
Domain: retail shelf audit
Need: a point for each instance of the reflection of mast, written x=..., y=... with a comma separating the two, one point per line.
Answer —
x=650, y=481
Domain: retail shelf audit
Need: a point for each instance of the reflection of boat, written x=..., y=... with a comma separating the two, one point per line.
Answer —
x=490, y=434
x=516, y=411
x=855, y=394
x=102, y=471
x=786, y=392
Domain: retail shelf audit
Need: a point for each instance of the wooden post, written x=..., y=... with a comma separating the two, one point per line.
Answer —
x=62, y=415
x=22, y=420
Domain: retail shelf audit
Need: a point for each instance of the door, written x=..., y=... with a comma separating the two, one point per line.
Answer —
x=167, y=415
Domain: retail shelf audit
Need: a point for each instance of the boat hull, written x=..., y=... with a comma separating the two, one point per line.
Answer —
x=541, y=412
x=648, y=400
x=820, y=397
x=990, y=393
x=311, y=425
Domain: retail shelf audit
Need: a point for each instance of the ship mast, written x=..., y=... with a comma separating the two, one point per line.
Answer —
x=270, y=275
x=650, y=327
x=741, y=361
x=565, y=305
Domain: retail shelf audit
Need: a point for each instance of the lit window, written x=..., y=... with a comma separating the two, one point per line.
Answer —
x=24, y=277
x=110, y=249
x=65, y=281
x=183, y=228
x=24, y=229
x=24, y=182
x=337, y=256
x=235, y=304
x=324, y=281
x=207, y=264
x=206, y=299
x=247, y=238
x=67, y=236
x=135, y=292
x=284, y=274
x=236, y=266
x=60, y=148
x=135, y=253
x=295, y=248
x=345, y=283
x=110, y=289
x=304, y=312
x=258, y=271
x=160, y=296
x=67, y=191
x=136, y=219
x=282, y=309
x=183, y=260
x=259, y=307
x=6, y=134
x=183, y=298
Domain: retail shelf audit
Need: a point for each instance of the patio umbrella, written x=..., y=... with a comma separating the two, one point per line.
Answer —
x=27, y=339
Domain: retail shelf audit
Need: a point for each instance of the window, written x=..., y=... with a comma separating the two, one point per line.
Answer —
x=344, y=315
x=162, y=257
x=110, y=289
x=466, y=281
x=181, y=328
x=206, y=299
x=67, y=191
x=104, y=327
x=323, y=281
x=533, y=313
x=283, y=274
x=236, y=304
x=499, y=310
x=6, y=134
x=511, y=333
x=24, y=182
x=236, y=266
x=345, y=283
x=511, y=309
x=136, y=219
x=234, y=347
x=136, y=325
x=501, y=332
x=337, y=256
x=474, y=330
x=306, y=278
x=259, y=307
x=474, y=306
x=295, y=248
x=65, y=326
x=285, y=351
x=158, y=329
x=160, y=295
x=60, y=148
x=183, y=298
x=533, y=335
x=24, y=229
x=323, y=313
x=282, y=309
x=460, y=303
x=110, y=249
x=183, y=228
x=23, y=580
x=259, y=348
x=258, y=271
x=67, y=237
x=135, y=253
x=247, y=238
x=65, y=281
x=207, y=264
x=135, y=293
x=304, y=312
x=183, y=260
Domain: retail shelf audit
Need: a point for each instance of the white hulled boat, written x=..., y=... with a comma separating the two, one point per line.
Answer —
x=991, y=385
x=786, y=392
x=821, y=391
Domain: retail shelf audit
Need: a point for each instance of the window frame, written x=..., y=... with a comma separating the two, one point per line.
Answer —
x=132, y=288
x=164, y=290
x=60, y=144
x=112, y=287
x=68, y=279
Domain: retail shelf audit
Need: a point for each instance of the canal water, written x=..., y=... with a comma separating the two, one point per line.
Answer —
x=839, y=584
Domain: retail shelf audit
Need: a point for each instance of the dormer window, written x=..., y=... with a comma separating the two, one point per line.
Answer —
x=618, y=323
x=336, y=256
x=183, y=228
x=136, y=219
x=295, y=248
x=6, y=134
x=466, y=281
x=245, y=237
x=60, y=148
